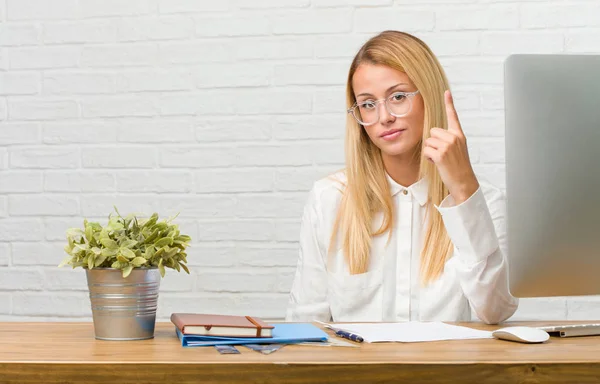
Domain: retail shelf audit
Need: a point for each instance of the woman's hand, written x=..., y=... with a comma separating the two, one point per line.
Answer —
x=447, y=149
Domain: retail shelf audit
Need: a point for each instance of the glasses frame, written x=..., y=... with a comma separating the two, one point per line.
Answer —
x=409, y=95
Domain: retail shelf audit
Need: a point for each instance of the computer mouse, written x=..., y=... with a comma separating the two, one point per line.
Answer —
x=521, y=334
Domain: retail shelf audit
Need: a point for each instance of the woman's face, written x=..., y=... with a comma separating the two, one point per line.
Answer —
x=395, y=136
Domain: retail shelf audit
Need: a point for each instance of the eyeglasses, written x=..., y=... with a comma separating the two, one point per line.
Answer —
x=398, y=104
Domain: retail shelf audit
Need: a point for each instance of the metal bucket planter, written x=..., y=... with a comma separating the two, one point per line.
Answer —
x=123, y=308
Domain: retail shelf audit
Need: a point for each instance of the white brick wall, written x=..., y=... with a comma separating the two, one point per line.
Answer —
x=225, y=111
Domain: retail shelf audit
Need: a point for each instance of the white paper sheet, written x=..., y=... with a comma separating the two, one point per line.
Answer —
x=408, y=332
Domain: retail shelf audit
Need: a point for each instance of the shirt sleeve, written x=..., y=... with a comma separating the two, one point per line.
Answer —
x=477, y=228
x=308, y=297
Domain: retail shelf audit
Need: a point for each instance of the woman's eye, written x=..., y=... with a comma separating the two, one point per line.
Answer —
x=367, y=105
x=398, y=97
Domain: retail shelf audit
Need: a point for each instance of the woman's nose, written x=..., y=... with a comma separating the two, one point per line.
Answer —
x=384, y=115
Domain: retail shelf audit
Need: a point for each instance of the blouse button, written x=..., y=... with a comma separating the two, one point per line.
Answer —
x=405, y=192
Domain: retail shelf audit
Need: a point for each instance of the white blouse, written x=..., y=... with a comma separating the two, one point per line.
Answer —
x=475, y=277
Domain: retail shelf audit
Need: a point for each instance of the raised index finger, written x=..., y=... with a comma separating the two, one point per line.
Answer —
x=453, y=122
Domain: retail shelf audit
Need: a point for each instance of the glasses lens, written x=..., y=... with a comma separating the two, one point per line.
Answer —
x=366, y=113
x=399, y=104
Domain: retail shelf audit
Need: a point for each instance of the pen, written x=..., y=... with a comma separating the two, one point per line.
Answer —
x=349, y=336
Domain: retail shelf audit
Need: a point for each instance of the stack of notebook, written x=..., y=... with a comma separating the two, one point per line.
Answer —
x=198, y=330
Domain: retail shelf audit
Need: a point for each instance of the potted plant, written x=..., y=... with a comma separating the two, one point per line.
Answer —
x=124, y=262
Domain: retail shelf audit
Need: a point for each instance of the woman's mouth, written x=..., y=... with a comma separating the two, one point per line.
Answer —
x=391, y=134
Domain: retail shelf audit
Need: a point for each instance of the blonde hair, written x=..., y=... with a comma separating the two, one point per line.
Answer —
x=367, y=191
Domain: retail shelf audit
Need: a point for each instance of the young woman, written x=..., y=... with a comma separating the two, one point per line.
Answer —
x=407, y=231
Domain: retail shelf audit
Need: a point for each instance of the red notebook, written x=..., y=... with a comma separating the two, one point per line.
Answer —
x=221, y=325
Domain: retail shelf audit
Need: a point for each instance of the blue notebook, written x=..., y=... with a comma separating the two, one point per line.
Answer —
x=284, y=333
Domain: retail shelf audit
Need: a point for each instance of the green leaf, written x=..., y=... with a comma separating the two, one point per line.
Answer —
x=122, y=259
x=109, y=243
x=109, y=252
x=149, y=253
x=161, y=269
x=127, y=270
x=160, y=251
x=151, y=221
x=81, y=247
x=185, y=268
x=99, y=260
x=89, y=233
x=164, y=241
x=74, y=232
x=65, y=261
x=170, y=253
x=183, y=256
x=161, y=226
x=90, y=261
x=95, y=226
x=128, y=253
x=128, y=220
x=114, y=225
x=128, y=243
x=138, y=262
x=152, y=236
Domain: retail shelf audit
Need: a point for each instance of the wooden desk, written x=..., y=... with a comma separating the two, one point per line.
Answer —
x=68, y=353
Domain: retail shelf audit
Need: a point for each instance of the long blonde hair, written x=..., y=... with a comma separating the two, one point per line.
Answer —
x=367, y=191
